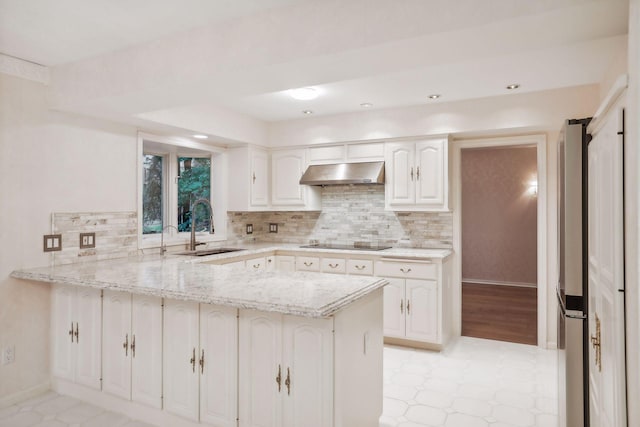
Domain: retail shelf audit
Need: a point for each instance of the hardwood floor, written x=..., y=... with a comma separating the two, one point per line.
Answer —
x=503, y=313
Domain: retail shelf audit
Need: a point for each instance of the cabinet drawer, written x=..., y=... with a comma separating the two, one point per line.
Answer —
x=333, y=265
x=307, y=263
x=256, y=263
x=409, y=270
x=360, y=266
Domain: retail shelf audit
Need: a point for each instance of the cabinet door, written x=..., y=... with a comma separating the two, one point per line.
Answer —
x=259, y=177
x=62, y=326
x=260, y=365
x=430, y=172
x=270, y=263
x=287, y=168
x=180, y=351
x=422, y=310
x=146, y=351
x=218, y=364
x=394, y=308
x=307, y=372
x=400, y=172
x=89, y=337
x=116, y=342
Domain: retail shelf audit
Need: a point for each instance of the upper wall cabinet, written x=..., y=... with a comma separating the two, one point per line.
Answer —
x=417, y=175
x=249, y=179
x=287, y=167
x=366, y=152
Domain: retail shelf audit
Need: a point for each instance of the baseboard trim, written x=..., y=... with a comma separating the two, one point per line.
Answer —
x=412, y=344
x=499, y=283
x=23, y=395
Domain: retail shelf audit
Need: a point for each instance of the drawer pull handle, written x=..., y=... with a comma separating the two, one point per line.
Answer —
x=408, y=270
x=308, y=264
x=401, y=307
x=333, y=265
x=133, y=345
x=256, y=265
x=77, y=333
x=408, y=307
x=360, y=267
x=418, y=173
x=201, y=362
x=411, y=173
x=71, y=332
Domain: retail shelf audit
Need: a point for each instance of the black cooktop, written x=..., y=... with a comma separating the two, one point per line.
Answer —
x=356, y=247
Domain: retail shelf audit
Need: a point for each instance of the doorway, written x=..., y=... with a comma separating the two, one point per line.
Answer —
x=499, y=191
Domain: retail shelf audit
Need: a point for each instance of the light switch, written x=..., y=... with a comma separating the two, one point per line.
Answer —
x=52, y=242
x=87, y=240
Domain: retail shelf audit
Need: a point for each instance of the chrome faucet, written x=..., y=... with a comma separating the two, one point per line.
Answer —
x=163, y=247
x=193, y=243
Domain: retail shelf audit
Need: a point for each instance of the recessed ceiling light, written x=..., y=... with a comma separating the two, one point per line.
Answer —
x=307, y=112
x=366, y=105
x=434, y=96
x=513, y=86
x=199, y=136
x=304, y=93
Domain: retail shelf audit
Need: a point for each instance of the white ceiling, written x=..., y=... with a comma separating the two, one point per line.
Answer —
x=163, y=60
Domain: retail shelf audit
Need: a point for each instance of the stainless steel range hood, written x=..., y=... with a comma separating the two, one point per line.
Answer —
x=344, y=173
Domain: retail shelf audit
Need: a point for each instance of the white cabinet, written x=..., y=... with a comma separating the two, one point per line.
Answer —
x=362, y=152
x=414, y=300
x=334, y=265
x=286, y=370
x=76, y=319
x=132, y=347
x=411, y=309
x=307, y=263
x=249, y=179
x=287, y=167
x=417, y=175
x=258, y=263
x=200, y=368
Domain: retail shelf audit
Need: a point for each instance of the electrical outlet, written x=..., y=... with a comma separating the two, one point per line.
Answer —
x=52, y=242
x=273, y=228
x=249, y=228
x=8, y=354
x=87, y=240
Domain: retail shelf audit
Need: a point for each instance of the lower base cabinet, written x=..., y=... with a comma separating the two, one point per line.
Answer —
x=132, y=347
x=286, y=370
x=76, y=323
x=200, y=362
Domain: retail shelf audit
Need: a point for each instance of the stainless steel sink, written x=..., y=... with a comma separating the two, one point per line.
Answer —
x=212, y=251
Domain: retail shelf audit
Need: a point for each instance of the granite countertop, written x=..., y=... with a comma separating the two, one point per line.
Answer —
x=197, y=279
x=258, y=249
x=172, y=276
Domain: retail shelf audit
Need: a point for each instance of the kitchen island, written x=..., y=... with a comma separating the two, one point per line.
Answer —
x=176, y=342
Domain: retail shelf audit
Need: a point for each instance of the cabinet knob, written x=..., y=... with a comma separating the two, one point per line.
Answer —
x=254, y=177
x=411, y=173
x=201, y=362
x=71, y=332
x=77, y=333
x=133, y=346
x=418, y=173
x=401, y=306
x=408, y=307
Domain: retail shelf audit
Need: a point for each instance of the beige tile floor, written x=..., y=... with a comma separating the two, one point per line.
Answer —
x=473, y=383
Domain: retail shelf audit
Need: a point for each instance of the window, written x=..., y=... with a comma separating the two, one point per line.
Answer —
x=174, y=175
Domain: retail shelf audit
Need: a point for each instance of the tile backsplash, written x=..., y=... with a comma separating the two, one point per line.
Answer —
x=349, y=213
x=116, y=234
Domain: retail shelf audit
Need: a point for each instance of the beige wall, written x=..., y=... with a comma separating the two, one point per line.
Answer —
x=49, y=162
x=499, y=215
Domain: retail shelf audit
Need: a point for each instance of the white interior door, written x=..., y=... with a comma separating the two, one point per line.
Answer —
x=607, y=396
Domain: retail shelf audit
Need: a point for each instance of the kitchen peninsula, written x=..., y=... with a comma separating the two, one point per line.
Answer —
x=181, y=342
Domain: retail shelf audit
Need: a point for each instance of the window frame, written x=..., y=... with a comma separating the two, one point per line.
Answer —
x=170, y=149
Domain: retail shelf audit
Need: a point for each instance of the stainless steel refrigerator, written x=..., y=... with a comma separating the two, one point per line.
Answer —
x=572, y=275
